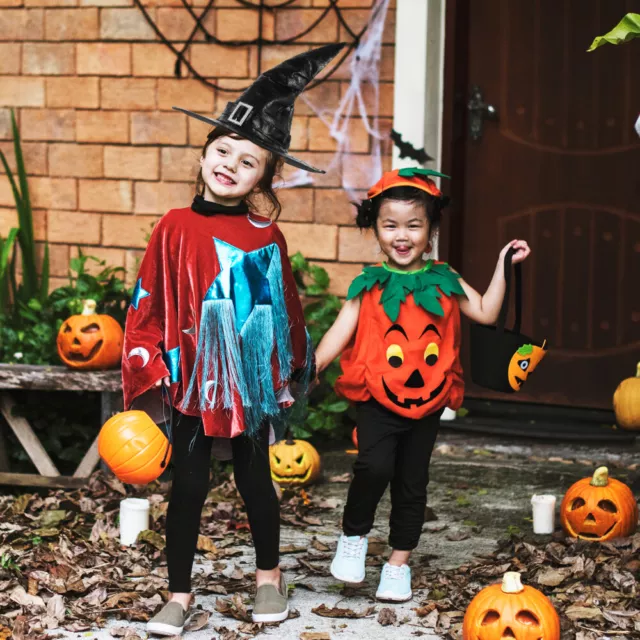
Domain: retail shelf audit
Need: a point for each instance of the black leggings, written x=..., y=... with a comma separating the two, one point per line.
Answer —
x=397, y=450
x=191, y=485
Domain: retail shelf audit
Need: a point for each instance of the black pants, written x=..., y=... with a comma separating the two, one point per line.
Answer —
x=191, y=485
x=397, y=450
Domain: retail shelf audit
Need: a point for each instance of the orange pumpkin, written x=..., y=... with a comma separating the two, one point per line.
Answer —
x=294, y=462
x=523, y=363
x=510, y=610
x=599, y=508
x=90, y=340
x=133, y=447
x=626, y=402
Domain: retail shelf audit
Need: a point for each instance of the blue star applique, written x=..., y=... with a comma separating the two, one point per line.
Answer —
x=242, y=278
x=138, y=294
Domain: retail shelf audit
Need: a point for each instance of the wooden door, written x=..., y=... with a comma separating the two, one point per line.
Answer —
x=561, y=169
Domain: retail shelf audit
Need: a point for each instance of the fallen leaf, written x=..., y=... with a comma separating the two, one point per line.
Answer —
x=306, y=635
x=197, y=621
x=52, y=518
x=344, y=477
x=552, y=577
x=153, y=538
x=206, y=544
x=24, y=599
x=576, y=612
x=338, y=612
x=387, y=617
x=456, y=536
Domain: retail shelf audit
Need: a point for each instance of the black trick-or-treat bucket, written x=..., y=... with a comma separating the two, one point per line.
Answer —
x=503, y=359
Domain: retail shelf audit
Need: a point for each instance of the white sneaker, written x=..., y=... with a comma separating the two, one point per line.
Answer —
x=348, y=563
x=395, y=583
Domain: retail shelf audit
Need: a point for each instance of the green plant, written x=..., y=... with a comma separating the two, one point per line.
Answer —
x=30, y=286
x=29, y=335
x=323, y=411
x=107, y=288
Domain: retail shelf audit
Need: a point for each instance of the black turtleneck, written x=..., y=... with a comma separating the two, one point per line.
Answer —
x=208, y=208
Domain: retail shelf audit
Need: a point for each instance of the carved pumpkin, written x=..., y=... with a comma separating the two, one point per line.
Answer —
x=294, y=462
x=510, y=610
x=133, y=447
x=354, y=437
x=599, y=508
x=523, y=363
x=626, y=402
x=90, y=340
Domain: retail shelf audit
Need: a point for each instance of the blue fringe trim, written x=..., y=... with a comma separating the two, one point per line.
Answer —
x=257, y=347
x=218, y=358
x=298, y=411
x=280, y=315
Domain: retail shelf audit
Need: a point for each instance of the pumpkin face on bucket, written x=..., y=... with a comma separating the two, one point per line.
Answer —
x=599, y=508
x=523, y=364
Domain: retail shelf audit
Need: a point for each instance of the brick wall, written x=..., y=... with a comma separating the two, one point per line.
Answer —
x=93, y=88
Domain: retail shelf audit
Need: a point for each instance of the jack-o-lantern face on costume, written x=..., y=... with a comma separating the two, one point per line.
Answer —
x=511, y=610
x=523, y=364
x=90, y=340
x=599, y=508
x=409, y=369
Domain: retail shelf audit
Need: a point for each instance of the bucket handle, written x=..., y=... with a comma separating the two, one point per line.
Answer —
x=502, y=318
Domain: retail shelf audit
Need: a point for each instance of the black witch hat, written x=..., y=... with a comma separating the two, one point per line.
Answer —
x=263, y=113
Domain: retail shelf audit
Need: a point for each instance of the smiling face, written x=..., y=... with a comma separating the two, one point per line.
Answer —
x=403, y=232
x=523, y=363
x=231, y=169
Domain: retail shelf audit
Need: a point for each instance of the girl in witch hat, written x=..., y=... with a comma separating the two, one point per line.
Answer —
x=399, y=335
x=216, y=319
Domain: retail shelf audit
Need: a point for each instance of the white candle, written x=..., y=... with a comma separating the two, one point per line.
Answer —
x=134, y=518
x=544, y=511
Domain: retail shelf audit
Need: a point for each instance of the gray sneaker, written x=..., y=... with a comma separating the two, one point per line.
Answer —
x=271, y=603
x=169, y=621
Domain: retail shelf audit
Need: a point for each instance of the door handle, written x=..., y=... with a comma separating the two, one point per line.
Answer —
x=479, y=111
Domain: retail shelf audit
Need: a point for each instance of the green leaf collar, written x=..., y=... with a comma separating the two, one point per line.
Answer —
x=427, y=286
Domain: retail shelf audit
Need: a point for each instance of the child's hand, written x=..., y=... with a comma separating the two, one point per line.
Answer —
x=165, y=380
x=522, y=251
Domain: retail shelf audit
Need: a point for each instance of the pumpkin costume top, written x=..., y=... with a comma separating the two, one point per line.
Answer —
x=406, y=349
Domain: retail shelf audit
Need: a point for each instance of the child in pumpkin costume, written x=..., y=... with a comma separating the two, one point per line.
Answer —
x=216, y=315
x=399, y=336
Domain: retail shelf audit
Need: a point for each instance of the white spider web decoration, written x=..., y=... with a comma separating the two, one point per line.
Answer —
x=365, y=69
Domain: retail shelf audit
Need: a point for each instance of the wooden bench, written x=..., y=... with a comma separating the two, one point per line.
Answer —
x=53, y=378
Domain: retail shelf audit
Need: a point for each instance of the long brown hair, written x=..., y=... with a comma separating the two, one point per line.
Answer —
x=265, y=184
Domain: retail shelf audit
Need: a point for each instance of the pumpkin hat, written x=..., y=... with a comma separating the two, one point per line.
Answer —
x=409, y=177
x=264, y=111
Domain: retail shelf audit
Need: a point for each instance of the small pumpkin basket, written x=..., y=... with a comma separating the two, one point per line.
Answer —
x=503, y=359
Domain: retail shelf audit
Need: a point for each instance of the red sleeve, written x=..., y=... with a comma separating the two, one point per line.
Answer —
x=294, y=306
x=142, y=362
